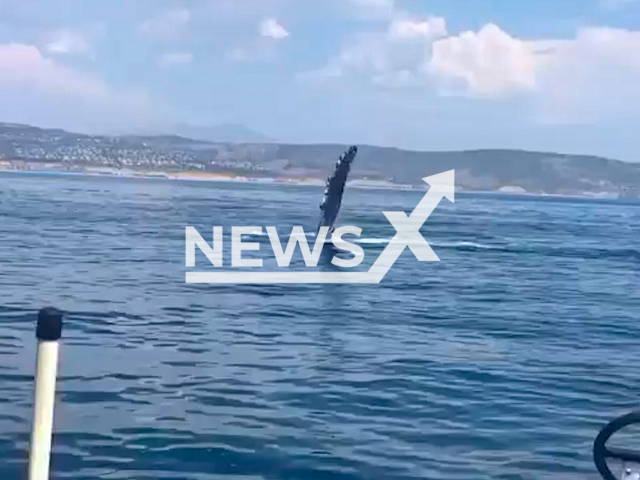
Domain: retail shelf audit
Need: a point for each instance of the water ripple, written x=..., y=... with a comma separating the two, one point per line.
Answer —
x=500, y=362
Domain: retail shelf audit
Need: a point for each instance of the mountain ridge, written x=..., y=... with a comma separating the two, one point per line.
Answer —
x=337, y=145
x=221, y=133
x=476, y=169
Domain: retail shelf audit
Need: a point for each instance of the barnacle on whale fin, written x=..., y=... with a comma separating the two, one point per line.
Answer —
x=332, y=198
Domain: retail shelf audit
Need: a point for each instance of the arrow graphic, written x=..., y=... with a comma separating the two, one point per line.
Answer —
x=408, y=228
x=407, y=235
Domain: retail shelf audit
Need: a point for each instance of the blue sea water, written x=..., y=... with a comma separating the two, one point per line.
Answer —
x=502, y=361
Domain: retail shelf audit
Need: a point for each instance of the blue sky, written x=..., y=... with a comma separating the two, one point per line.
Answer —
x=417, y=74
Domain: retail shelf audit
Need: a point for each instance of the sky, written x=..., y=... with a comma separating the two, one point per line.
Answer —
x=544, y=75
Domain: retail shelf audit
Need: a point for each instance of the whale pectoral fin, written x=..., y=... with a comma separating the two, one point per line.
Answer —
x=334, y=189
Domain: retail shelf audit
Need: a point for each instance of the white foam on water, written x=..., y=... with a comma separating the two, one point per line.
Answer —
x=478, y=246
x=374, y=241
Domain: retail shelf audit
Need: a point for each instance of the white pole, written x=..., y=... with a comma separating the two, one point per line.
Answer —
x=48, y=333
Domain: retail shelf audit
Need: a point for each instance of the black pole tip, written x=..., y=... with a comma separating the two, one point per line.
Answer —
x=49, y=327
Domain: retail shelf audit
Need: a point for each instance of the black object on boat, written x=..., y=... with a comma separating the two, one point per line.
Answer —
x=630, y=458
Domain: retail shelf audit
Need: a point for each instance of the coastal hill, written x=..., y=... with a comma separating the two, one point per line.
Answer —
x=224, y=133
x=27, y=147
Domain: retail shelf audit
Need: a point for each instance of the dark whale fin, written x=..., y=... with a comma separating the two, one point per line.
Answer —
x=332, y=198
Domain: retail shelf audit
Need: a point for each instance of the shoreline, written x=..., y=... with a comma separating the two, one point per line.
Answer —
x=284, y=181
x=212, y=178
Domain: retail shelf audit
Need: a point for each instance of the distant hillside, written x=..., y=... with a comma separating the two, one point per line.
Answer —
x=539, y=172
x=23, y=146
x=225, y=133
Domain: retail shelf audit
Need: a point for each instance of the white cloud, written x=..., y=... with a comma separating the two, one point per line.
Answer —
x=394, y=57
x=35, y=88
x=415, y=28
x=489, y=62
x=270, y=28
x=590, y=76
x=261, y=48
x=173, y=59
x=24, y=65
x=66, y=42
x=166, y=26
x=593, y=76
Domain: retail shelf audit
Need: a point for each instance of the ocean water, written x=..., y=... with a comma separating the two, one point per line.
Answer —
x=502, y=361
